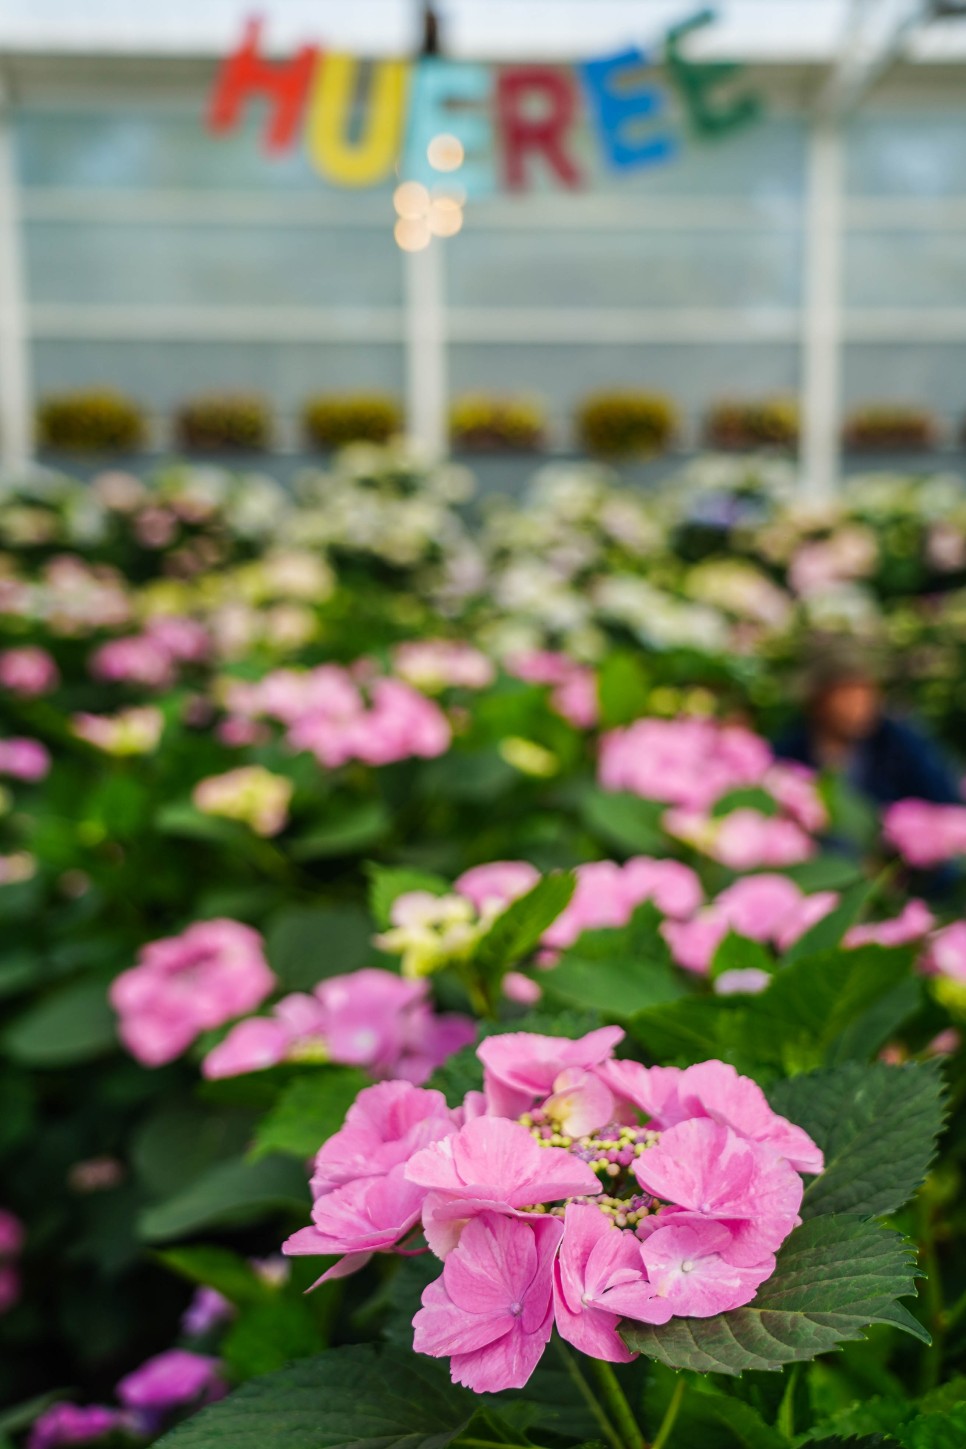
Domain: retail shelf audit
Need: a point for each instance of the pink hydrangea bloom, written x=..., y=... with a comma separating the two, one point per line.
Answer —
x=491, y=1310
x=744, y=839
x=24, y=759
x=170, y=1379
x=369, y=1018
x=688, y=762
x=384, y=1127
x=710, y=1174
x=925, y=834
x=672, y=886
x=601, y=898
x=619, y=1192
x=28, y=671
x=573, y=685
x=688, y=1267
x=494, y=886
x=521, y=1067
x=138, y=659
x=182, y=638
x=768, y=908
x=9, y=1287
x=206, y=1311
x=795, y=787
x=945, y=955
x=72, y=1424
x=490, y=1164
x=12, y=1234
x=369, y=1215
x=914, y=921
x=599, y=1278
x=184, y=985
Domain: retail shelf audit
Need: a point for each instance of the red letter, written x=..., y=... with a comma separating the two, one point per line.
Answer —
x=543, y=133
x=245, y=74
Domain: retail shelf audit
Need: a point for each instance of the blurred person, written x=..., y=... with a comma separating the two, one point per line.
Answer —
x=845, y=728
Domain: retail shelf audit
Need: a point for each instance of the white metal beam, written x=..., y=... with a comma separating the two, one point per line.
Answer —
x=16, y=413
x=822, y=333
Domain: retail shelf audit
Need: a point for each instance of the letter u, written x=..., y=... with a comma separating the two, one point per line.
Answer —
x=371, y=158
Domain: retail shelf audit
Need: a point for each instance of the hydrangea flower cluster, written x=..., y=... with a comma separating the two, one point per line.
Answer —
x=368, y=1018
x=431, y=932
x=184, y=985
x=768, y=908
x=576, y=1190
x=573, y=686
x=135, y=731
x=340, y=715
x=28, y=671
x=251, y=794
x=165, y=1385
x=924, y=834
x=688, y=762
x=11, y=1246
x=24, y=759
x=743, y=839
x=432, y=665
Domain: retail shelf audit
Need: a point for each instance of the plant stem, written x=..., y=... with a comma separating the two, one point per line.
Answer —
x=786, y=1412
x=670, y=1415
x=619, y=1409
x=590, y=1398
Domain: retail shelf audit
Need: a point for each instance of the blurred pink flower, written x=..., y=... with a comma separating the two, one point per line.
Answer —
x=24, y=759
x=913, y=921
x=73, y=1424
x=493, y=886
x=138, y=660
x=689, y=762
x=925, y=834
x=436, y=664
x=184, y=985
x=945, y=953
x=28, y=671
x=170, y=1379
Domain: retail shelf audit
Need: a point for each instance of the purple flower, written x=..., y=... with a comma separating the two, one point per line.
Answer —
x=72, y=1424
x=171, y=1379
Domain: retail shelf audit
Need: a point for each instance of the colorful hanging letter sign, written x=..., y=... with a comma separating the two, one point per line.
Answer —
x=365, y=122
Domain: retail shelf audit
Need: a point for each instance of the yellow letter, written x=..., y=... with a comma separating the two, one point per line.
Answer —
x=370, y=159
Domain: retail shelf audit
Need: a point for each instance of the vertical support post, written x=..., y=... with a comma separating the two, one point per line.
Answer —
x=16, y=423
x=822, y=330
x=426, y=385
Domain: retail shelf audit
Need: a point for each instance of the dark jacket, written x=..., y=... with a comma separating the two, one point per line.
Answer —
x=896, y=761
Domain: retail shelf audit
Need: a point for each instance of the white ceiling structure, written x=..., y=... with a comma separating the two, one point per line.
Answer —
x=764, y=31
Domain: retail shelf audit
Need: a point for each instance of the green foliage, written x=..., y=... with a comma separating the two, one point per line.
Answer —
x=305, y=944
x=807, y=1017
x=364, y=1397
x=516, y=932
x=769, y=423
x=878, y=1126
x=72, y=1024
x=386, y=883
x=624, y=821
x=835, y=1276
x=308, y=1112
x=228, y=1193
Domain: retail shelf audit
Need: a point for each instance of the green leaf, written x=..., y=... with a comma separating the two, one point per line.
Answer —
x=364, y=1396
x=305, y=944
x=626, y=821
x=386, y=883
x=751, y=797
x=828, y=932
x=366, y=824
x=739, y=953
x=516, y=932
x=834, y=1277
x=693, y=1029
x=710, y=1418
x=75, y=1024
x=877, y=1125
x=182, y=820
x=624, y=689
x=617, y=987
x=798, y=1022
x=268, y=1335
x=825, y=873
x=231, y=1193
x=935, y=1431
x=215, y=1267
x=309, y=1111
